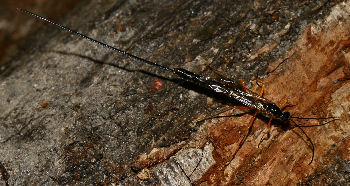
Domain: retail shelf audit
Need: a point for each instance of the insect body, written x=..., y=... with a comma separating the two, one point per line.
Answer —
x=231, y=90
x=238, y=93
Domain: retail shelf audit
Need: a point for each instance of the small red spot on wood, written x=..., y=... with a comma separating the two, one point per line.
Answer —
x=44, y=104
x=188, y=57
x=119, y=28
x=275, y=16
x=156, y=85
x=117, y=19
x=94, y=67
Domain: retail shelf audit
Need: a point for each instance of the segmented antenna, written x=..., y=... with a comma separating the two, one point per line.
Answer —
x=95, y=41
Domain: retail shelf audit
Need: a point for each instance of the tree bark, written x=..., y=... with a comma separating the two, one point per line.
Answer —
x=74, y=112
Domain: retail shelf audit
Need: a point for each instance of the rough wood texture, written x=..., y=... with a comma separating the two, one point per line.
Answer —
x=67, y=118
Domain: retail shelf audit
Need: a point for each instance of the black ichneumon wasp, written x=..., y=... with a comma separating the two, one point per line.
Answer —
x=222, y=87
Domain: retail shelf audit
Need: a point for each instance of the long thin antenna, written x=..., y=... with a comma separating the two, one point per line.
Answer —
x=96, y=41
x=309, y=139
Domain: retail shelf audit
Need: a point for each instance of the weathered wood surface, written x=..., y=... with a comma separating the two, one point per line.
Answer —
x=66, y=118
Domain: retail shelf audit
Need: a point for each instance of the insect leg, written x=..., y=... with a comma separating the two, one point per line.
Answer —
x=245, y=137
x=261, y=91
x=269, y=123
x=250, y=125
x=218, y=115
x=243, y=85
x=267, y=133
